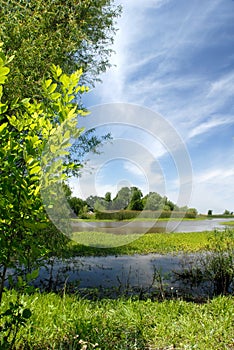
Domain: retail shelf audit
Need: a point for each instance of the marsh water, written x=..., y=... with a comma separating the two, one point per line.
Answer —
x=123, y=227
x=123, y=273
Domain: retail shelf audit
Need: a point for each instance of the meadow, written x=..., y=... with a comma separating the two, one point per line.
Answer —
x=162, y=243
x=68, y=322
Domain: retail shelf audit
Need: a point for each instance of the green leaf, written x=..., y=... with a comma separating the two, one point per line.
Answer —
x=52, y=88
x=55, y=96
x=48, y=83
x=4, y=70
x=35, y=170
x=31, y=276
x=3, y=126
x=53, y=148
x=67, y=134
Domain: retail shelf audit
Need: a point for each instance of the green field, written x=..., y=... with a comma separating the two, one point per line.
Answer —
x=68, y=322
x=162, y=243
x=229, y=223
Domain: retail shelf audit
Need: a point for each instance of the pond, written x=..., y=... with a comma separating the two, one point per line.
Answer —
x=125, y=274
x=112, y=276
x=123, y=227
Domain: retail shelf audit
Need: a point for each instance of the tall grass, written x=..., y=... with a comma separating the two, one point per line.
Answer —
x=68, y=322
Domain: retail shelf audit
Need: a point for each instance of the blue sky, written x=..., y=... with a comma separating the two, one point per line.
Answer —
x=176, y=60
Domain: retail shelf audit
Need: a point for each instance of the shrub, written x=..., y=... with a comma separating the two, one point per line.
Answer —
x=145, y=214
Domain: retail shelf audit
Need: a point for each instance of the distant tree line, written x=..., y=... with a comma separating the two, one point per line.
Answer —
x=226, y=213
x=127, y=199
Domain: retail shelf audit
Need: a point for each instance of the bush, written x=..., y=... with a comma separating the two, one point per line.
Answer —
x=145, y=214
x=116, y=215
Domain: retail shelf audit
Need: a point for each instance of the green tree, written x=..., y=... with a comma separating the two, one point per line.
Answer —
x=191, y=213
x=108, y=197
x=152, y=201
x=122, y=199
x=77, y=205
x=136, y=199
x=226, y=212
x=72, y=34
x=26, y=170
x=91, y=201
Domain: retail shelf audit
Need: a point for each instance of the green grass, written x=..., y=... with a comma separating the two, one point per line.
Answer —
x=161, y=243
x=227, y=223
x=71, y=323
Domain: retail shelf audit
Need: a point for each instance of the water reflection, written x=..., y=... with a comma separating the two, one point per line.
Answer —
x=139, y=227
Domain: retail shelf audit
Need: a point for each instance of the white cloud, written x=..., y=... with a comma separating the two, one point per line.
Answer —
x=208, y=125
x=134, y=169
x=223, y=86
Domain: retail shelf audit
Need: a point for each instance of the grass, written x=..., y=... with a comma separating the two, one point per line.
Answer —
x=227, y=223
x=161, y=243
x=69, y=322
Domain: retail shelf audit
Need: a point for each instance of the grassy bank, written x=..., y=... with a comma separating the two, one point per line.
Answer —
x=162, y=243
x=71, y=323
x=228, y=223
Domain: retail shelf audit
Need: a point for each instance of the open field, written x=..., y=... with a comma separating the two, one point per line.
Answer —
x=68, y=322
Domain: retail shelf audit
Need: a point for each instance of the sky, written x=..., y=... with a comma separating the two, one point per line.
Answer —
x=168, y=101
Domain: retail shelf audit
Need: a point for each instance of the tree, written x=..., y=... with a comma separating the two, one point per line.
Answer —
x=108, y=197
x=92, y=200
x=209, y=212
x=26, y=169
x=122, y=199
x=136, y=199
x=72, y=34
x=77, y=205
x=226, y=212
x=152, y=201
x=191, y=213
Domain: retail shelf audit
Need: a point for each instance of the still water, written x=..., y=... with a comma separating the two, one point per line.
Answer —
x=122, y=227
x=136, y=272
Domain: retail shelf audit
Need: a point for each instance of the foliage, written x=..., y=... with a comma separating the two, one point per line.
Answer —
x=191, y=213
x=122, y=199
x=116, y=215
x=227, y=212
x=136, y=199
x=13, y=318
x=77, y=205
x=153, y=205
x=24, y=136
x=153, y=201
x=215, y=268
x=102, y=214
x=72, y=34
x=72, y=322
x=108, y=197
